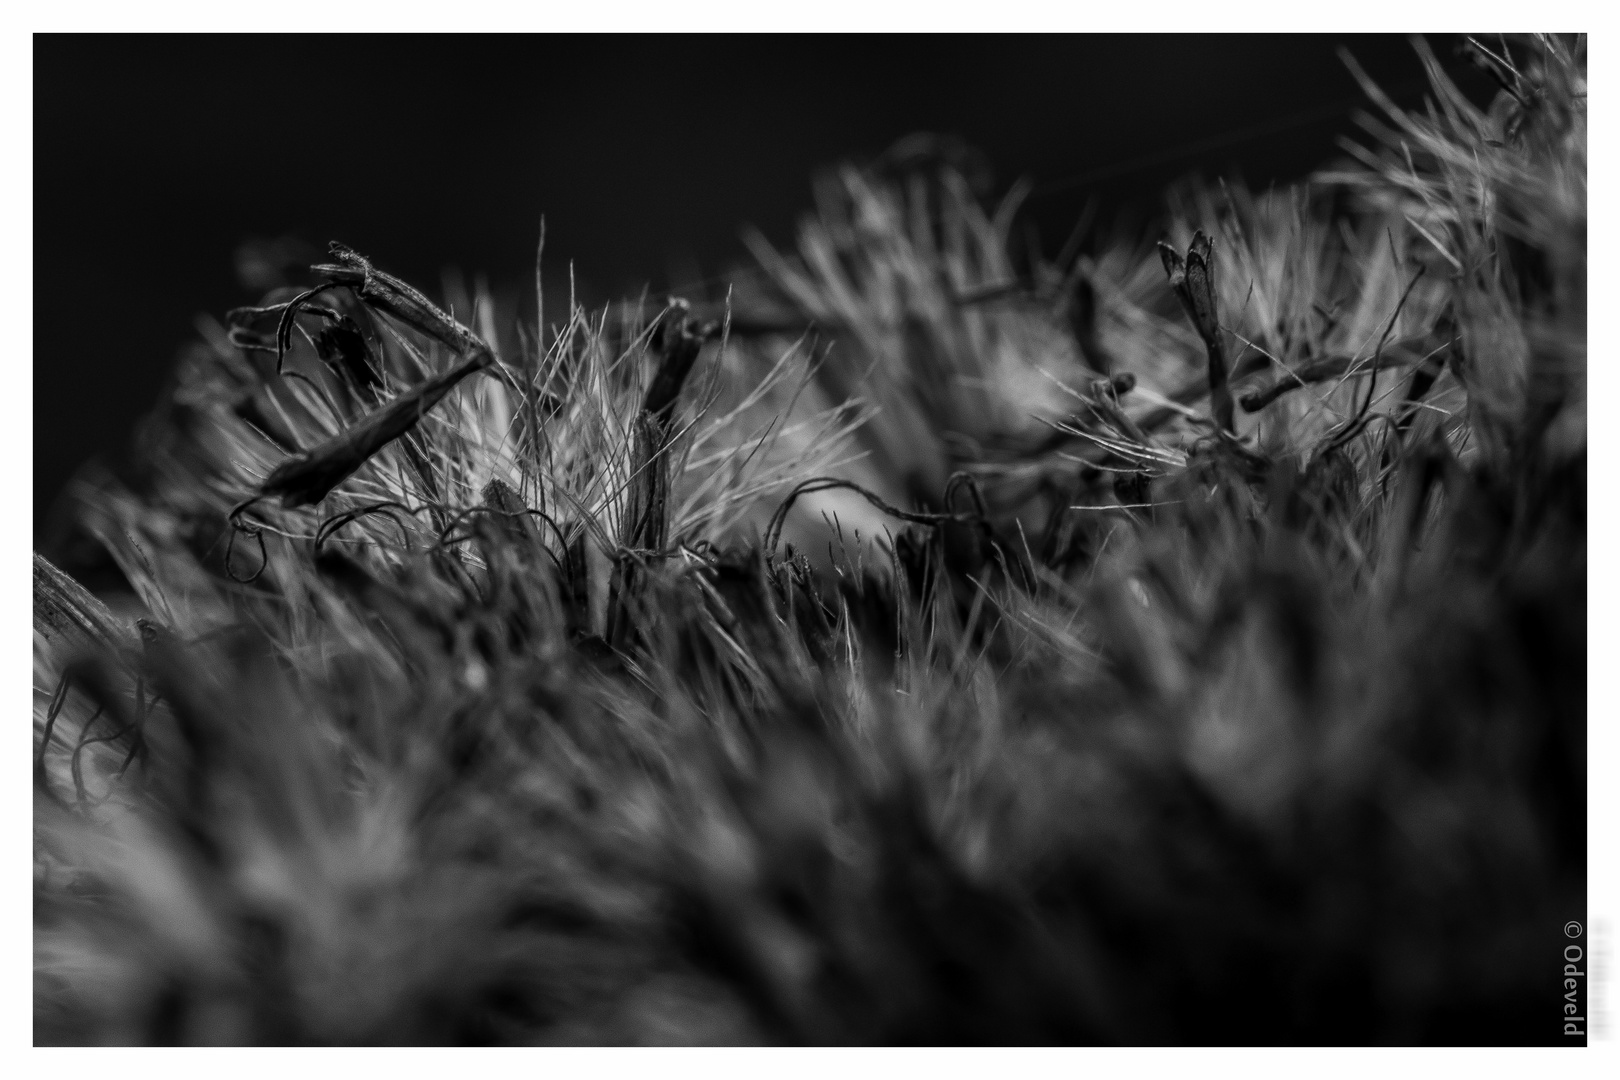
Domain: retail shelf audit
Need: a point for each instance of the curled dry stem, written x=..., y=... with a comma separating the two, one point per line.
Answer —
x=773, y=532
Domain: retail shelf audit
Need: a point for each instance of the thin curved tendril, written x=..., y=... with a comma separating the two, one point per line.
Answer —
x=827, y=483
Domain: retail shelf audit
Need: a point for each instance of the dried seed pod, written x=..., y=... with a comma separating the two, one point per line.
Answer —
x=306, y=478
x=1407, y=351
x=646, y=519
x=514, y=520
x=392, y=295
x=507, y=528
x=1193, y=281
x=678, y=340
x=645, y=526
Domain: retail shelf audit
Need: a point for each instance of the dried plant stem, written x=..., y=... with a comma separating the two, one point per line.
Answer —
x=1193, y=280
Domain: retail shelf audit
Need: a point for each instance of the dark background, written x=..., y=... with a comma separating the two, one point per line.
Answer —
x=154, y=158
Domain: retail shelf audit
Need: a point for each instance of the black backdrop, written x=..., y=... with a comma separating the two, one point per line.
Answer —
x=155, y=157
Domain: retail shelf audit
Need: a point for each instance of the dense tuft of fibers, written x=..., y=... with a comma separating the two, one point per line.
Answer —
x=1169, y=644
